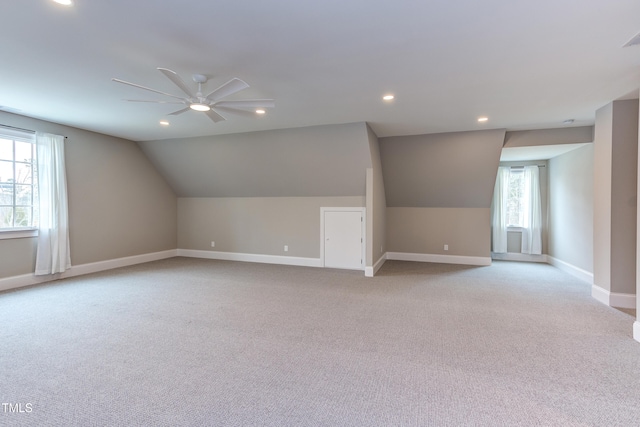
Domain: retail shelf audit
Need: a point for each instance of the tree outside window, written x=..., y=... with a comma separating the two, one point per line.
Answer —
x=516, y=199
x=18, y=183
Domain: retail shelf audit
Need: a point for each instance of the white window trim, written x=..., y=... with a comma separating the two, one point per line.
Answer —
x=22, y=135
x=17, y=233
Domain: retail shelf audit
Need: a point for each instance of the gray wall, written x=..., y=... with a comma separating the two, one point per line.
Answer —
x=602, y=196
x=636, y=336
x=17, y=256
x=454, y=170
x=427, y=230
x=615, y=193
x=624, y=193
x=571, y=208
x=439, y=189
x=304, y=162
x=119, y=205
x=376, y=204
x=256, y=225
x=255, y=193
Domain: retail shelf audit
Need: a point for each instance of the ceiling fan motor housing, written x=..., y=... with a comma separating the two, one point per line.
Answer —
x=200, y=78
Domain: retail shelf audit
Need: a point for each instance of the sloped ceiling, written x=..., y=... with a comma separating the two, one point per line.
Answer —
x=525, y=65
x=314, y=161
x=450, y=170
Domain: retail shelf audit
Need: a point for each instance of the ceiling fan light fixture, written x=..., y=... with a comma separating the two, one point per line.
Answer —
x=199, y=106
x=204, y=103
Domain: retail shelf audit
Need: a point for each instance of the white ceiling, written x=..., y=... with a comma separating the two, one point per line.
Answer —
x=525, y=65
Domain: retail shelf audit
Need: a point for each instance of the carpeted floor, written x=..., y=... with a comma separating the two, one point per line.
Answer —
x=189, y=342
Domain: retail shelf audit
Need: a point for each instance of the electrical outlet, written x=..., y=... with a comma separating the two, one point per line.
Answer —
x=446, y=247
x=213, y=244
x=286, y=248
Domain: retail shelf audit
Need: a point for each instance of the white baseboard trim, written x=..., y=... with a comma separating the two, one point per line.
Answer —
x=95, y=267
x=14, y=282
x=371, y=271
x=78, y=270
x=613, y=299
x=636, y=331
x=600, y=295
x=622, y=300
x=437, y=258
x=265, y=259
x=513, y=256
x=571, y=269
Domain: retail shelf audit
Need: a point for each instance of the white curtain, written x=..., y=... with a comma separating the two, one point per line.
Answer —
x=499, y=211
x=532, y=231
x=53, y=254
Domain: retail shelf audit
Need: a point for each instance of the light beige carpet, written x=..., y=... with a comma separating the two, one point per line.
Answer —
x=188, y=342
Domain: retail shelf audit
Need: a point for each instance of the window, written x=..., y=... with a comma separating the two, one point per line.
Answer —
x=516, y=198
x=516, y=203
x=18, y=180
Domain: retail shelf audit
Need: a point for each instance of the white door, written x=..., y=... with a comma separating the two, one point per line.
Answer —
x=343, y=239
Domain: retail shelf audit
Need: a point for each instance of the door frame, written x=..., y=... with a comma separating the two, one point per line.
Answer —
x=363, y=212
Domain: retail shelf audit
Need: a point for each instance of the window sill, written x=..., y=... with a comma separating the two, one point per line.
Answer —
x=515, y=229
x=20, y=233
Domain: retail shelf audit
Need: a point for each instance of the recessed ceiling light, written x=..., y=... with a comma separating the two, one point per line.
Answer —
x=199, y=107
x=164, y=123
x=388, y=97
x=64, y=2
x=483, y=119
x=260, y=111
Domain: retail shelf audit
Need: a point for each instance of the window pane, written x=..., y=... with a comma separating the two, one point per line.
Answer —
x=6, y=194
x=23, y=173
x=6, y=171
x=23, y=195
x=6, y=149
x=18, y=183
x=515, y=215
x=6, y=217
x=22, y=217
x=23, y=151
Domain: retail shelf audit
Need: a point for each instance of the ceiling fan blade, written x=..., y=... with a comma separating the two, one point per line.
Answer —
x=155, y=102
x=236, y=111
x=232, y=86
x=175, y=113
x=247, y=103
x=175, y=78
x=146, y=88
x=215, y=116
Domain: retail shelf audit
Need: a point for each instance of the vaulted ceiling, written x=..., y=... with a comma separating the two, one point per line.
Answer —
x=524, y=65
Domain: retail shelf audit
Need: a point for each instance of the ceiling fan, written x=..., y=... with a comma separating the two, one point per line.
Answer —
x=211, y=103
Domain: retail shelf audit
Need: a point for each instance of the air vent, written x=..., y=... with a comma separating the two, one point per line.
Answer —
x=634, y=41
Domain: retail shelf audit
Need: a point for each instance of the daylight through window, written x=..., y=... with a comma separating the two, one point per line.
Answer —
x=516, y=199
x=18, y=180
